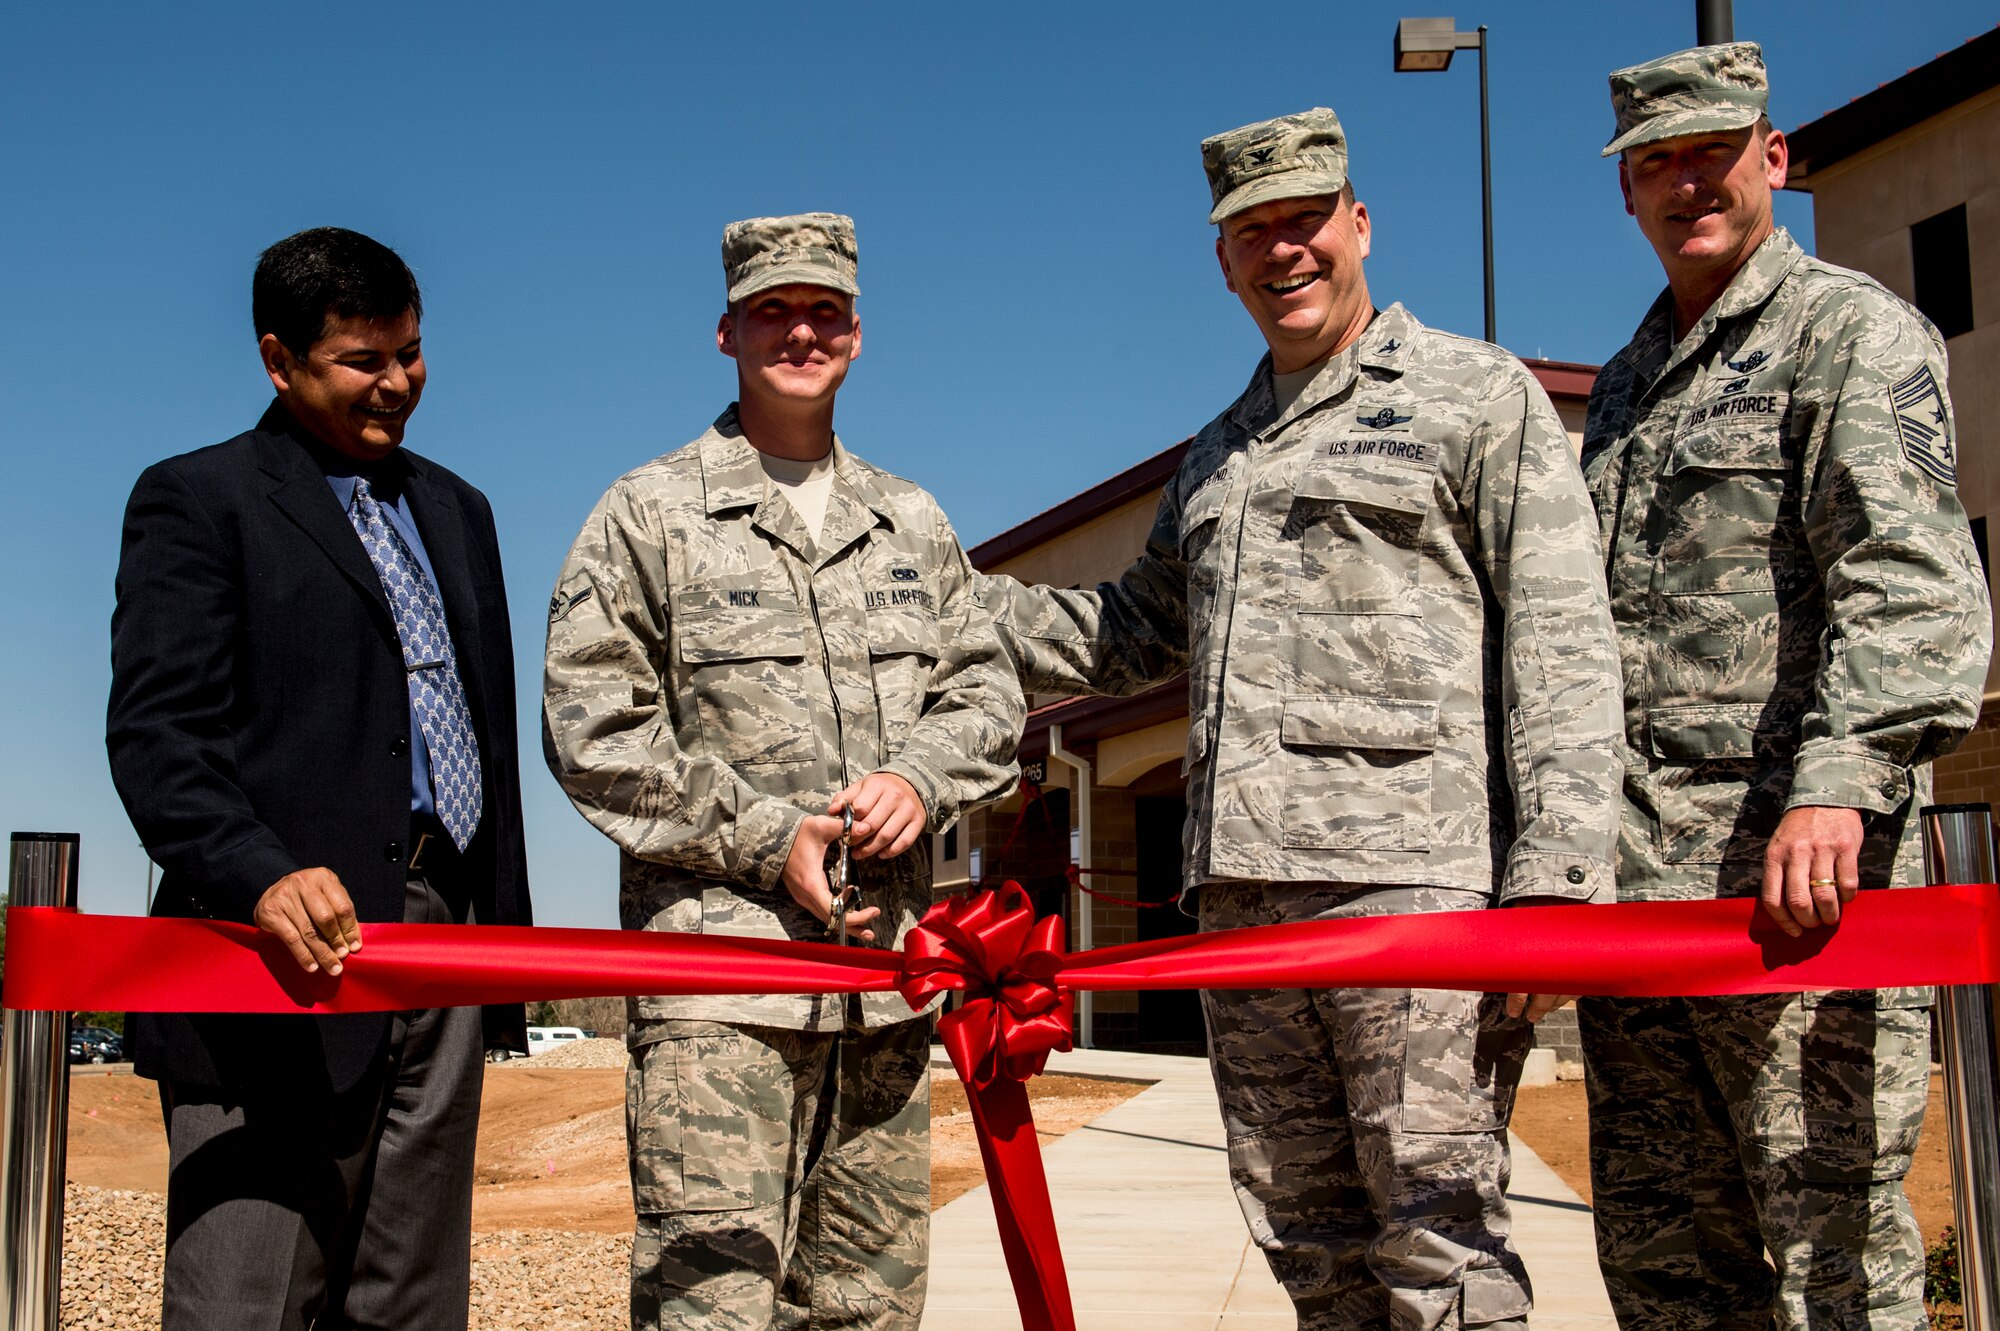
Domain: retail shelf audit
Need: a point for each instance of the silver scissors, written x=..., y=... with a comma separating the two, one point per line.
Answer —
x=840, y=879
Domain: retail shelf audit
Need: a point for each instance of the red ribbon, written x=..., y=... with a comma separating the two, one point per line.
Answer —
x=1016, y=981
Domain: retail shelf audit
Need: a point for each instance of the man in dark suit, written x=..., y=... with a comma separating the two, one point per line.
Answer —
x=312, y=725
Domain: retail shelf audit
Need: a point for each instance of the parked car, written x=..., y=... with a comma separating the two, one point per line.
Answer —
x=96, y=1044
x=541, y=1039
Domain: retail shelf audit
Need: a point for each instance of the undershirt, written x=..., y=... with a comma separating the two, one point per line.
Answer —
x=805, y=486
x=1285, y=388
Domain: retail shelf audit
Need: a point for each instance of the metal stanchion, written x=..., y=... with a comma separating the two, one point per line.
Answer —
x=1958, y=848
x=34, y=1108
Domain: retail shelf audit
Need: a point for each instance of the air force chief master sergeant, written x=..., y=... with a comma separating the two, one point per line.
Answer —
x=1803, y=625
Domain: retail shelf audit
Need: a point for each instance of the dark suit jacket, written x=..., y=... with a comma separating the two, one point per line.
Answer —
x=259, y=720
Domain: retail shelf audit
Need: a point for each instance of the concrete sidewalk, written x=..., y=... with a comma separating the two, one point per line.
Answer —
x=1153, y=1239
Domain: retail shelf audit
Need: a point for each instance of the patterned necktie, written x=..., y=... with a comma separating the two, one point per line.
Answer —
x=436, y=696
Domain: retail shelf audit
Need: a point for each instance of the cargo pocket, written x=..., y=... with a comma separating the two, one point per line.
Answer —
x=709, y=1123
x=1359, y=528
x=1462, y=1058
x=1864, y=1080
x=742, y=650
x=1721, y=776
x=1358, y=771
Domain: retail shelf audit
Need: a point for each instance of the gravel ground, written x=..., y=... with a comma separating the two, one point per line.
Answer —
x=112, y=1243
x=548, y=1280
x=598, y=1053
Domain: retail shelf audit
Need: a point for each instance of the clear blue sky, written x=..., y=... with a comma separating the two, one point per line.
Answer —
x=1041, y=303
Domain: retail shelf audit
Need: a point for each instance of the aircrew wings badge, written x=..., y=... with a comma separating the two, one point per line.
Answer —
x=1923, y=424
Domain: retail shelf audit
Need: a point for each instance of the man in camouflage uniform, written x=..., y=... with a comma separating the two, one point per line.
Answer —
x=1376, y=568
x=751, y=634
x=1803, y=626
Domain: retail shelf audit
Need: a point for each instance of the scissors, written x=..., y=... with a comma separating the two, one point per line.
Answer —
x=840, y=883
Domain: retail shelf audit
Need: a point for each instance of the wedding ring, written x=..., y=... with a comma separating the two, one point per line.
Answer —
x=1821, y=882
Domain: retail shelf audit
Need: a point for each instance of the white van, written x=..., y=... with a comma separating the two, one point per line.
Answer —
x=541, y=1039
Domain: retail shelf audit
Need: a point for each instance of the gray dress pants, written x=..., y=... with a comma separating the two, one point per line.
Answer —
x=288, y=1209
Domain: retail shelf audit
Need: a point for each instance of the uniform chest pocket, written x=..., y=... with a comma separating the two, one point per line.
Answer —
x=903, y=647
x=1732, y=501
x=740, y=651
x=1201, y=519
x=1359, y=526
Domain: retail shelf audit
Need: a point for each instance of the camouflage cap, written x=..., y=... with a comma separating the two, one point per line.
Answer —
x=1697, y=91
x=1287, y=158
x=816, y=249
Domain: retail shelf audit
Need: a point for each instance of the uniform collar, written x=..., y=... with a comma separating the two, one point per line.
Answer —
x=1768, y=266
x=1384, y=346
x=733, y=478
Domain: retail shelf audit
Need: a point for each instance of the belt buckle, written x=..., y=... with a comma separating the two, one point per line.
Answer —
x=417, y=853
x=840, y=881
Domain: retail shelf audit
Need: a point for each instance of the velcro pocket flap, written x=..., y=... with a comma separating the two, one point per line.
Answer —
x=1336, y=721
x=902, y=634
x=1696, y=734
x=1371, y=483
x=1204, y=506
x=1750, y=444
x=738, y=624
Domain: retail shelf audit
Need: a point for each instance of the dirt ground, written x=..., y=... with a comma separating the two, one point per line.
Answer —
x=1555, y=1122
x=551, y=1141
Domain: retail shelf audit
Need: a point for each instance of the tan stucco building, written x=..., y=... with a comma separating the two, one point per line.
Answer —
x=1905, y=183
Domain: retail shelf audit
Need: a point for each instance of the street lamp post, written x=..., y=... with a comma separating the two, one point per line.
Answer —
x=1426, y=45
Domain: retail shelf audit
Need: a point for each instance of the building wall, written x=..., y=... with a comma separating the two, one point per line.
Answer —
x=1098, y=551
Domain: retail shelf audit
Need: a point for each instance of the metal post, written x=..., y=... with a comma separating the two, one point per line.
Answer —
x=1486, y=183
x=1958, y=848
x=1714, y=22
x=34, y=1108
x=1086, y=1007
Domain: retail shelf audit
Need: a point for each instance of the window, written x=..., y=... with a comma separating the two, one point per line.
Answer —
x=1942, y=260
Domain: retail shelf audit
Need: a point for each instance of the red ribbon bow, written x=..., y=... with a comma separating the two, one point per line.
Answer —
x=993, y=949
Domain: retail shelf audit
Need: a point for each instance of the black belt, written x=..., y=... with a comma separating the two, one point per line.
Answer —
x=431, y=848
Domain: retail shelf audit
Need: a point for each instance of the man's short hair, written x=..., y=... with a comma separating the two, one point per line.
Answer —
x=305, y=282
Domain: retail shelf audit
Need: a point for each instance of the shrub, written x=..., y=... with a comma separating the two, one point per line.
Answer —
x=1941, y=1269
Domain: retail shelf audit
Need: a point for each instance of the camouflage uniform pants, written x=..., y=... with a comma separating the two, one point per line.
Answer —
x=1368, y=1128
x=781, y=1178
x=1725, y=1128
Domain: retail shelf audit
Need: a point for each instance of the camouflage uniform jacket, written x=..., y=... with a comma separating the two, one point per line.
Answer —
x=1401, y=666
x=1802, y=618
x=714, y=674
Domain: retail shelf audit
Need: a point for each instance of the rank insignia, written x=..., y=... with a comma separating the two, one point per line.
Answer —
x=1923, y=424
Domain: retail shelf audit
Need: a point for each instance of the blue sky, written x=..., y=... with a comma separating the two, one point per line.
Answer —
x=1041, y=304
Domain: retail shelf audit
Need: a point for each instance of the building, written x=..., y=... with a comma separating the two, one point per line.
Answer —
x=1102, y=783
x=1905, y=182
